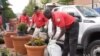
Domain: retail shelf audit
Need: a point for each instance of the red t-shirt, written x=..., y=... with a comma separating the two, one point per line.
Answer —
x=39, y=19
x=62, y=19
x=0, y=20
x=24, y=19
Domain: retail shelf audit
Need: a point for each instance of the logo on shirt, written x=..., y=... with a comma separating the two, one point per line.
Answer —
x=58, y=19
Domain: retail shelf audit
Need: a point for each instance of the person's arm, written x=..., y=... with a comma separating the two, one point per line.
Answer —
x=62, y=31
x=59, y=33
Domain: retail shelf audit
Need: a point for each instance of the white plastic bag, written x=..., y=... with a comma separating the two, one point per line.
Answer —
x=54, y=49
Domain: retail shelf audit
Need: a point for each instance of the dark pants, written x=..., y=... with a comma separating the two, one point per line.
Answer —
x=70, y=42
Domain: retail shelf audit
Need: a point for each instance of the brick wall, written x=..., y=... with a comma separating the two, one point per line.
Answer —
x=84, y=2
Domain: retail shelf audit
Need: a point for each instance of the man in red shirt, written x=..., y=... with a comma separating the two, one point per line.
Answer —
x=68, y=26
x=24, y=18
x=38, y=20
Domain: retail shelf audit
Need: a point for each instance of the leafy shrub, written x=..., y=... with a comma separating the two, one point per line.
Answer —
x=36, y=42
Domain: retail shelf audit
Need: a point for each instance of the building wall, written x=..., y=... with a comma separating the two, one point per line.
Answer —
x=82, y=2
x=87, y=3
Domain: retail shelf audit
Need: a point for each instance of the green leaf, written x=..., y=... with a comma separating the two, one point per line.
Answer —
x=8, y=11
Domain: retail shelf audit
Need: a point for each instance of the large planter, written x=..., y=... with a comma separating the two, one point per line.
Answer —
x=18, y=43
x=35, y=50
x=8, y=40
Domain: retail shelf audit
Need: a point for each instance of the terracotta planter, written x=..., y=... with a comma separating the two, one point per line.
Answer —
x=8, y=40
x=35, y=50
x=18, y=43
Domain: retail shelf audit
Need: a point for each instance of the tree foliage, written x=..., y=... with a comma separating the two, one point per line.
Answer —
x=64, y=1
x=44, y=1
x=5, y=4
x=8, y=13
x=29, y=7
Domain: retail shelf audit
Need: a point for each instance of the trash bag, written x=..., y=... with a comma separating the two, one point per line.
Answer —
x=54, y=49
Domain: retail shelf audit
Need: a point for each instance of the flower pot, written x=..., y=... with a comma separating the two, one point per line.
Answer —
x=8, y=40
x=18, y=43
x=35, y=50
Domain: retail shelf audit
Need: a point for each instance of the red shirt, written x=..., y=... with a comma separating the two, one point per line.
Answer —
x=0, y=20
x=39, y=19
x=62, y=19
x=24, y=19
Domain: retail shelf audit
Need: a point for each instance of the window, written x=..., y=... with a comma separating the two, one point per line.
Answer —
x=70, y=10
x=88, y=12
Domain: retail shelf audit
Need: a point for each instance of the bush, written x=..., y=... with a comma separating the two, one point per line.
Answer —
x=4, y=52
x=22, y=27
x=36, y=42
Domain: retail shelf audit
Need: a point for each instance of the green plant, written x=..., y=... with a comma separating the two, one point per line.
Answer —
x=22, y=27
x=36, y=42
x=4, y=52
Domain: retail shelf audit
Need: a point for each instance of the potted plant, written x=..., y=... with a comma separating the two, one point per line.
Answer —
x=7, y=38
x=20, y=39
x=35, y=47
x=4, y=52
x=22, y=29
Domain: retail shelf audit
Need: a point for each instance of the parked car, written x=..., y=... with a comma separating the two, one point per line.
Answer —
x=97, y=9
x=89, y=27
